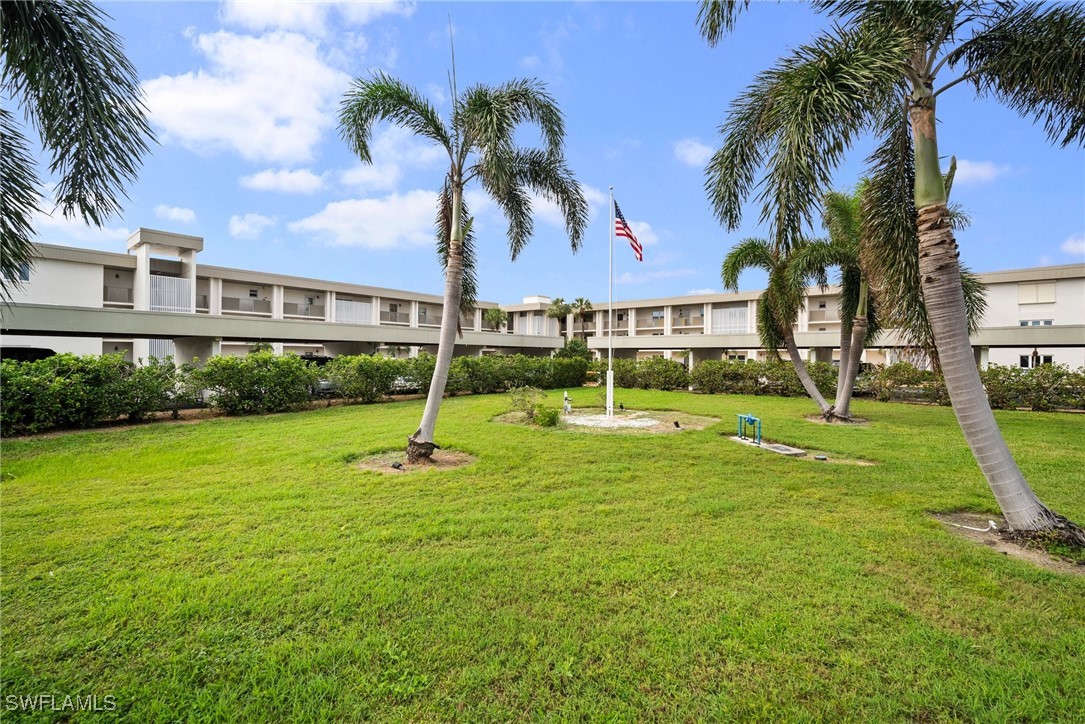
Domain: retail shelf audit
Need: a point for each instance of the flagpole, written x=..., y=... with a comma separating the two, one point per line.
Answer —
x=610, y=315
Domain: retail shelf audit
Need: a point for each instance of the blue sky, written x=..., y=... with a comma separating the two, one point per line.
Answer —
x=244, y=97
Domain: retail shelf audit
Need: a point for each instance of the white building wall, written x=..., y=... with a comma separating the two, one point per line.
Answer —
x=60, y=345
x=67, y=283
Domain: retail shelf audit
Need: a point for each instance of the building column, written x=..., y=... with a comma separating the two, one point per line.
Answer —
x=141, y=280
x=376, y=311
x=414, y=313
x=188, y=271
x=214, y=294
x=751, y=316
x=277, y=348
x=188, y=349
x=668, y=323
x=983, y=356
x=478, y=320
x=277, y=303
x=329, y=306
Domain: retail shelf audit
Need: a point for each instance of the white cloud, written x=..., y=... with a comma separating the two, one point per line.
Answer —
x=301, y=181
x=642, y=277
x=704, y=290
x=531, y=62
x=969, y=172
x=394, y=221
x=175, y=213
x=56, y=229
x=692, y=152
x=644, y=232
x=393, y=149
x=1074, y=245
x=249, y=226
x=303, y=15
x=266, y=98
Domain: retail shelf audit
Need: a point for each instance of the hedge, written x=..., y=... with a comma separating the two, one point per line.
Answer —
x=257, y=383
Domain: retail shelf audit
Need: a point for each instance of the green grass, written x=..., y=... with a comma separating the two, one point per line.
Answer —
x=241, y=569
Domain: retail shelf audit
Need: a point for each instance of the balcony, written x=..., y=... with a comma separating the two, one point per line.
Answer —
x=824, y=315
x=687, y=322
x=171, y=294
x=301, y=309
x=395, y=317
x=429, y=320
x=648, y=323
x=236, y=305
x=202, y=302
x=350, y=312
x=117, y=296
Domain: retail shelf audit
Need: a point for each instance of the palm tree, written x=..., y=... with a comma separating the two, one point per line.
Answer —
x=479, y=140
x=559, y=309
x=581, y=307
x=778, y=308
x=879, y=59
x=495, y=317
x=67, y=72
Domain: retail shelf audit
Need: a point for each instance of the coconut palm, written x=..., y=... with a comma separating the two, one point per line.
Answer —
x=495, y=317
x=581, y=307
x=67, y=73
x=479, y=138
x=789, y=272
x=880, y=60
x=560, y=310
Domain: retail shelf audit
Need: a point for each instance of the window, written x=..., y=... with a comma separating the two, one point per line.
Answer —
x=22, y=274
x=252, y=293
x=1036, y=322
x=736, y=358
x=821, y=305
x=657, y=314
x=1041, y=293
x=1026, y=360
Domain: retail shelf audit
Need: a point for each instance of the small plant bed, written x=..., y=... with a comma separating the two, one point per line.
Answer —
x=394, y=462
x=594, y=420
x=977, y=527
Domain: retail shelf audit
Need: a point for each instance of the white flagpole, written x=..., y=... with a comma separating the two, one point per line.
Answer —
x=610, y=315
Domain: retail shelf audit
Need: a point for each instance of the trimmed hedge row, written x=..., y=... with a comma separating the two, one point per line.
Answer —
x=67, y=391
x=771, y=377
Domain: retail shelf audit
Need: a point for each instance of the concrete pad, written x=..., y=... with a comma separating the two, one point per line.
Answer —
x=772, y=446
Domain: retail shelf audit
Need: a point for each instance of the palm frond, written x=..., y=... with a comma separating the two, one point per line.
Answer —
x=491, y=115
x=1031, y=57
x=747, y=254
x=803, y=115
x=716, y=18
x=18, y=202
x=384, y=98
x=68, y=73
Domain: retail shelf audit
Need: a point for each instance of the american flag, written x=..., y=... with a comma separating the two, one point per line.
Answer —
x=621, y=228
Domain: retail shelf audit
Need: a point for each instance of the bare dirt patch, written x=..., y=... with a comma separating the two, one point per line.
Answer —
x=442, y=460
x=852, y=422
x=975, y=527
x=593, y=420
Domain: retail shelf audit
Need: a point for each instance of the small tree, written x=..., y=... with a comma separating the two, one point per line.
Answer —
x=495, y=318
x=581, y=307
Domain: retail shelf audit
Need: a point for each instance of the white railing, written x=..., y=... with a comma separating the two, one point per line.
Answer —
x=161, y=348
x=347, y=312
x=171, y=294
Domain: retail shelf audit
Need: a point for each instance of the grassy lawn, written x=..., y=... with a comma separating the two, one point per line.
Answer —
x=241, y=569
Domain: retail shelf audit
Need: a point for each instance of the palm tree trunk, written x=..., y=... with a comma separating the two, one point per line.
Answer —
x=804, y=375
x=845, y=359
x=940, y=279
x=842, y=408
x=420, y=445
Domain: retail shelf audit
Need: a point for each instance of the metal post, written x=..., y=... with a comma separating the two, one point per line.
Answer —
x=610, y=315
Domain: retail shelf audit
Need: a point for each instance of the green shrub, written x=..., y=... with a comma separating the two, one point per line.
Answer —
x=419, y=372
x=718, y=377
x=63, y=391
x=1046, y=387
x=625, y=373
x=574, y=348
x=657, y=373
x=1004, y=385
x=364, y=378
x=257, y=383
x=546, y=416
x=157, y=385
x=524, y=399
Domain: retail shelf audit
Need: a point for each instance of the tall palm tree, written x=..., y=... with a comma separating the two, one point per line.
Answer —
x=789, y=271
x=560, y=310
x=67, y=73
x=581, y=307
x=479, y=138
x=876, y=71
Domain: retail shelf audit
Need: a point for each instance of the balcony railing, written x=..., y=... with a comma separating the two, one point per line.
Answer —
x=395, y=317
x=824, y=315
x=351, y=312
x=246, y=306
x=301, y=309
x=687, y=322
x=202, y=301
x=648, y=323
x=116, y=295
x=171, y=294
x=429, y=320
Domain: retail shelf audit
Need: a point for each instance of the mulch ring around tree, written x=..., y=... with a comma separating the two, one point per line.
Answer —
x=593, y=420
x=976, y=527
x=854, y=421
x=394, y=462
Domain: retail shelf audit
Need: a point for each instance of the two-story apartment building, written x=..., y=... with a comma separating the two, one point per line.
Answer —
x=157, y=300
